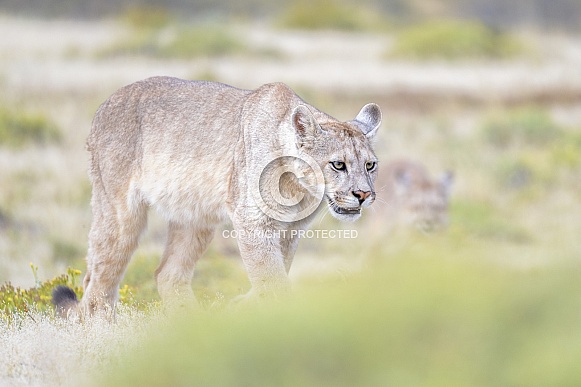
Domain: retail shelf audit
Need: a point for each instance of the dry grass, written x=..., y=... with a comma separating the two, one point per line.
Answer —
x=37, y=350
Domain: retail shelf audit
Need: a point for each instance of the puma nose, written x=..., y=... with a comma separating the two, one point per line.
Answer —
x=361, y=195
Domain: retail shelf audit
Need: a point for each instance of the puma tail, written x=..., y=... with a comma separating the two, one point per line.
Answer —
x=65, y=300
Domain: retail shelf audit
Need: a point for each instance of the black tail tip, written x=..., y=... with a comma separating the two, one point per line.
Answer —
x=62, y=296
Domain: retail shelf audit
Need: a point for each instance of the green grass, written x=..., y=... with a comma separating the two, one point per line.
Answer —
x=219, y=278
x=66, y=251
x=435, y=319
x=533, y=153
x=534, y=171
x=528, y=125
x=20, y=127
x=483, y=220
x=216, y=278
x=566, y=151
x=453, y=40
x=140, y=276
x=329, y=15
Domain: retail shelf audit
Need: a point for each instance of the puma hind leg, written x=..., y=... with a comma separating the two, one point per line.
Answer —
x=185, y=245
x=115, y=231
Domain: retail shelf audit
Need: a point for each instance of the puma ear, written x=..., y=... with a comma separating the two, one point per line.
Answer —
x=403, y=182
x=304, y=124
x=369, y=119
x=446, y=182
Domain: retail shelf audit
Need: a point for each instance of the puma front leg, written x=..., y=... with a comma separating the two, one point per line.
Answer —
x=262, y=255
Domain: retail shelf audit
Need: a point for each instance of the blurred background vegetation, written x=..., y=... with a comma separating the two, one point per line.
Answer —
x=490, y=90
x=497, y=13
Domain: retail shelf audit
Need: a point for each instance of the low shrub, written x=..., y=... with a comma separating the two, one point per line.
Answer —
x=329, y=15
x=454, y=40
x=19, y=128
x=17, y=301
x=5, y=218
x=146, y=17
x=183, y=43
x=200, y=41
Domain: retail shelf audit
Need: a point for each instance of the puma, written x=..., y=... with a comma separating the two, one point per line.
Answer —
x=202, y=153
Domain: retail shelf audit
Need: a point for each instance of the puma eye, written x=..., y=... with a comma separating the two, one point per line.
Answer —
x=339, y=165
x=370, y=165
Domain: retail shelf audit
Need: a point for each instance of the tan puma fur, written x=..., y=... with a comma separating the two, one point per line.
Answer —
x=197, y=152
x=408, y=194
